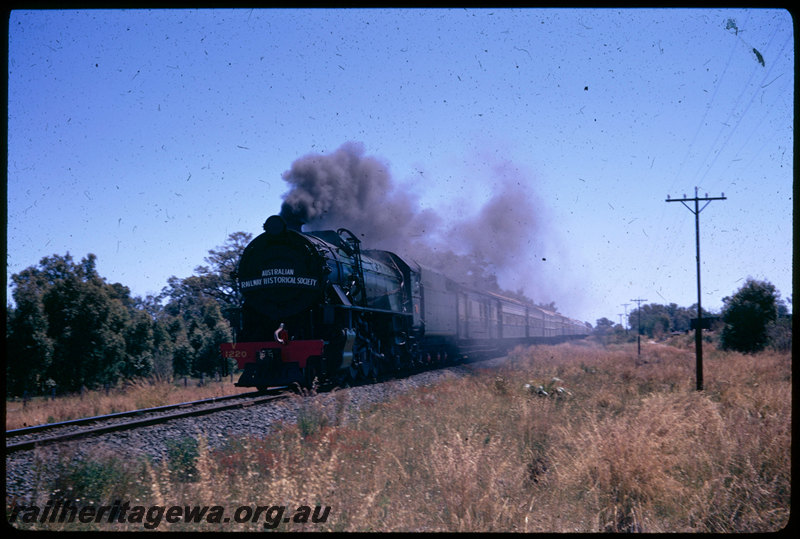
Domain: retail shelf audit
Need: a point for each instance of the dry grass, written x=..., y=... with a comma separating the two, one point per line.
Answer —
x=132, y=396
x=621, y=448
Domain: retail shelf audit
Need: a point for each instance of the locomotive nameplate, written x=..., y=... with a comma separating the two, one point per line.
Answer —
x=279, y=277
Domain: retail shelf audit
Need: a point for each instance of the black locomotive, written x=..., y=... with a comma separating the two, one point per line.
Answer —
x=318, y=306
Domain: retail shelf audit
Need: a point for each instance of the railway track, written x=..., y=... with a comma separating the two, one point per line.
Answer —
x=38, y=435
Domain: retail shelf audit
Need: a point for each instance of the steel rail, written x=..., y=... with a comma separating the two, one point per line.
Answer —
x=84, y=420
x=135, y=423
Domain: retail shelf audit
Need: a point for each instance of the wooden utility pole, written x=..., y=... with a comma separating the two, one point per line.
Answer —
x=639, y=333
x=698, y=332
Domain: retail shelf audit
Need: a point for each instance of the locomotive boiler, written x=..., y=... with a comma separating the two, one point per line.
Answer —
x=349, y=313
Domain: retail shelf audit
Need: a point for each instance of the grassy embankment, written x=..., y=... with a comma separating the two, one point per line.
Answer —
x=624, y=448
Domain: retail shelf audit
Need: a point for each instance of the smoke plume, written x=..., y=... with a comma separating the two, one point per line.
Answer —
x=351, y=190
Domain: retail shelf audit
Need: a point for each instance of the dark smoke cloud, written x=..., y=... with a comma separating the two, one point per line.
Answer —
x=349, y=189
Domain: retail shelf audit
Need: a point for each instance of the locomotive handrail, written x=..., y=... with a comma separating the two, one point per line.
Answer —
x=369, y=309
x=356, y=247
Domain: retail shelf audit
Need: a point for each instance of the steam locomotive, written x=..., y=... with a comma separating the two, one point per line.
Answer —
x=318, y=307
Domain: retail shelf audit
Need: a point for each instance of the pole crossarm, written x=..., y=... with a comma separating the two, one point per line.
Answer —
x=699, y=330
x=707, y=199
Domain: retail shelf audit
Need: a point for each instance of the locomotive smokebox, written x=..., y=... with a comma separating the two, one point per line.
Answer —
x=280, y=272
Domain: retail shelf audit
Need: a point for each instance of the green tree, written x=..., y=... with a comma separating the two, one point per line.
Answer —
x=603, y=326
x=651, y=320
x=71, y=328
x=657, y=320
x=163, y=350
x=87, y=321
x=206, y=304
x=181, y=352
x=29, y=349
x=139, y=346
x=206, y=333
x=747, y=316
x=779, y=333
x=679, y=317
x=216, y=279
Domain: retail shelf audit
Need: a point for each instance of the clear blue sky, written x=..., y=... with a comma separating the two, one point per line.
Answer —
x=147, y=137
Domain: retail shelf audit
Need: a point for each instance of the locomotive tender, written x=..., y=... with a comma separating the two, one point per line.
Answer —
x=353, y=314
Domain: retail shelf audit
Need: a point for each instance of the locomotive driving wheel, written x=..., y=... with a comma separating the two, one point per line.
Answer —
x=364, y=365
x=367, y=366
x=359, y=361
x=366, y=355
x=397, y=359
